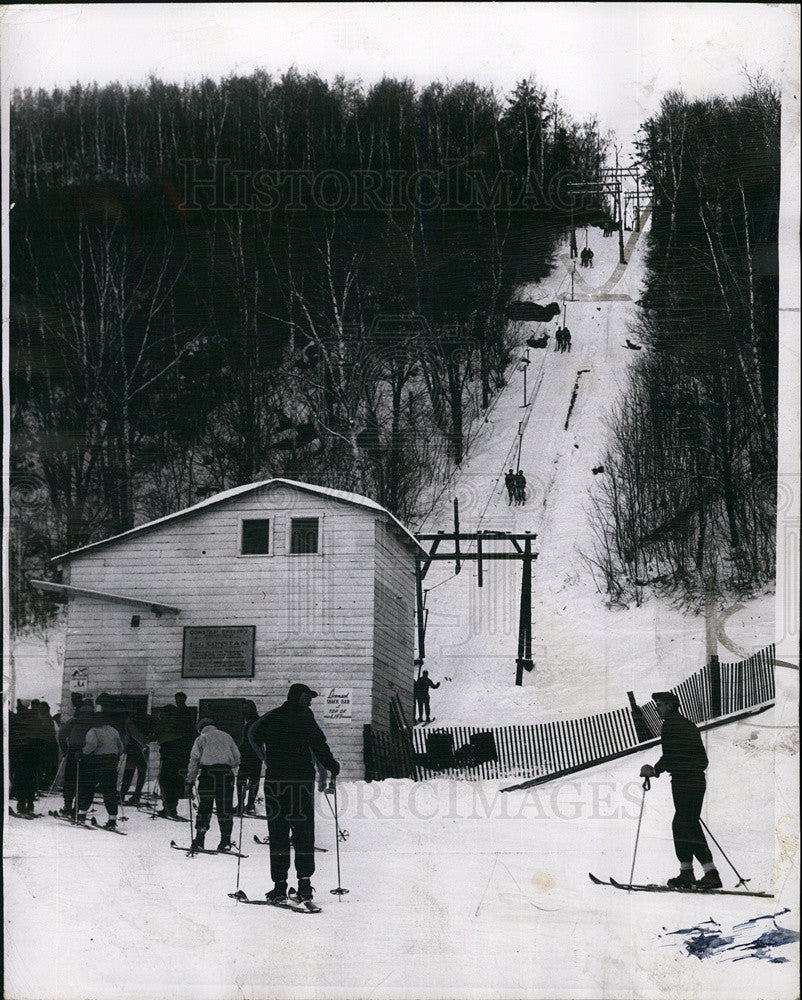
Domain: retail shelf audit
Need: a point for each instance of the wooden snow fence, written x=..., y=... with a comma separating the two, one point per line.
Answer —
x=541, y=751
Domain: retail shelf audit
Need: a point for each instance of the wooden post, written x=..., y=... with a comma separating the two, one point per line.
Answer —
x=458, y=564
x=621, y=258
x=642, y=730
x=419, y=610
x=637, y=200
x=479, y=557
x=524, y=659
x=711, y=639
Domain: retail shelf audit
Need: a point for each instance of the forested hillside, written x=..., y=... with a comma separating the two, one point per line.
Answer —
x=690, y=494
x=220, y=282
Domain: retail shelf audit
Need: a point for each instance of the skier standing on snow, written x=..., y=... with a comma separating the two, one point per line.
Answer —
x=101, y=758
x=212, y=761
x=250, y=768
x=71, y=737
x=421, y=692
x=509, y=482
x=685, y=759
x=520, y=488
x=286, y=739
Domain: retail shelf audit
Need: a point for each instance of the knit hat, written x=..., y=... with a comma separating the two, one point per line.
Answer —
x=203, y=723
x=666, y=696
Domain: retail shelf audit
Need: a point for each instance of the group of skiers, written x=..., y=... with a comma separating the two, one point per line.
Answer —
x=289, y=742
x=516, y=487
x=33, y=752
x=563, y=338
x=586, y=258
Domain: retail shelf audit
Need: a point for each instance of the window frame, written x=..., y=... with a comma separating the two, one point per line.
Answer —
x=271, y=541
x=301, y=516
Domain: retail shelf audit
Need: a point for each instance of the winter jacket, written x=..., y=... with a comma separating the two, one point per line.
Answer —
x=285, y=739
x=213, y=746
x=103, y=740
x=683, y=750
x=72, y=734
x=422, y=685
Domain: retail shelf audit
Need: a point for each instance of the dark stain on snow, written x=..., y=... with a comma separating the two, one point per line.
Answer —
x=707, y=939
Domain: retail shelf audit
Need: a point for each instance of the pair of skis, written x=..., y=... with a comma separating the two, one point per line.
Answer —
x=265, y=842
x=192, y=851
x=292, y=903
x=421, y=723
x=670, y=888
x=19, y=815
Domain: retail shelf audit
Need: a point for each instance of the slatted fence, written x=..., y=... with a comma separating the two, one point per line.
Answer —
x=551, y=748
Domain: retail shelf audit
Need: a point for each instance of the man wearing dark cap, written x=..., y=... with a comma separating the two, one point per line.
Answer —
x=286, y=739
x=685, y=759
x=213, y=759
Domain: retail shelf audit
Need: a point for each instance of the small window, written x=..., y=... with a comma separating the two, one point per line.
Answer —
x=255, y=538
x=304, y=535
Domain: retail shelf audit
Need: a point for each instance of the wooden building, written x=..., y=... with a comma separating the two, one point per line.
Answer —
x=243, y=594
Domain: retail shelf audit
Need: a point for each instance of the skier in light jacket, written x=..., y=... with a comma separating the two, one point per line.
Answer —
x=213, y=761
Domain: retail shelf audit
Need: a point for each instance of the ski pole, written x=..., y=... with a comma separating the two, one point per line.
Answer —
x=339, y=891
x=61, y=770
x=646, y=786
x=741, y=880
x=77, y=784
x=121, y=764
x=239, y=851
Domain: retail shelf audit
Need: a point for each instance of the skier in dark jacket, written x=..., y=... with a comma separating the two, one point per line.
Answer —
x=286, y=740
x=71, y=737
x=421, y=692
x=250, y=766
x=520, y=488
x=684, y=757
x=509, y=482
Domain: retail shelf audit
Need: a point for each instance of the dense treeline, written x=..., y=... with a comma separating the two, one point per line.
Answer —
x=226, y=281
x=691, y=491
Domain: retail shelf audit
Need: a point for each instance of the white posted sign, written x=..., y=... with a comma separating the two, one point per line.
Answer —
x=336, y=705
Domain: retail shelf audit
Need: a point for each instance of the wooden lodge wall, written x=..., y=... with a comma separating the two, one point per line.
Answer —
x=339, y=618
x=551, y=749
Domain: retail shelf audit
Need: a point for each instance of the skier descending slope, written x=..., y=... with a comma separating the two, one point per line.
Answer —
x=286, y=739
x=685, y=758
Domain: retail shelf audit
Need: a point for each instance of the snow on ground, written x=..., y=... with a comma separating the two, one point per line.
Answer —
x=587, y=655
x=456, y=890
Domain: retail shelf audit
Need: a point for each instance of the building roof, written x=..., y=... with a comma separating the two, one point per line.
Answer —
x=323, y=491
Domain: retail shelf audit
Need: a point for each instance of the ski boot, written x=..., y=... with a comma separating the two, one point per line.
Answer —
x=685, y=880
x=82, y=818
x=710, y=880
x=278, y=894
x=110, y=824
x=305, y=890
x=225, y=844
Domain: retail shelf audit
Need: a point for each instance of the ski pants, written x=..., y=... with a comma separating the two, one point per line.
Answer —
x=173, y=760
x=25, y=775
x=248, y=786
x=290, y=807
x=216, y=788
x=99, y=772
x=69, y=785
x=422, y=705
x=135, y=763
x=688, y=792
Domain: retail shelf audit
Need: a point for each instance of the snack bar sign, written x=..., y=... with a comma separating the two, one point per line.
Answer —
x=336, y=705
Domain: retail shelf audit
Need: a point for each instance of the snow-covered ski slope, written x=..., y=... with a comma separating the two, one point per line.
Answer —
x=586, y=655
x=456, y=890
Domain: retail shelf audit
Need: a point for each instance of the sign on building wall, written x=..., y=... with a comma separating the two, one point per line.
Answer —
x=218, y=651
x=336, y=705
x=79, y=682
